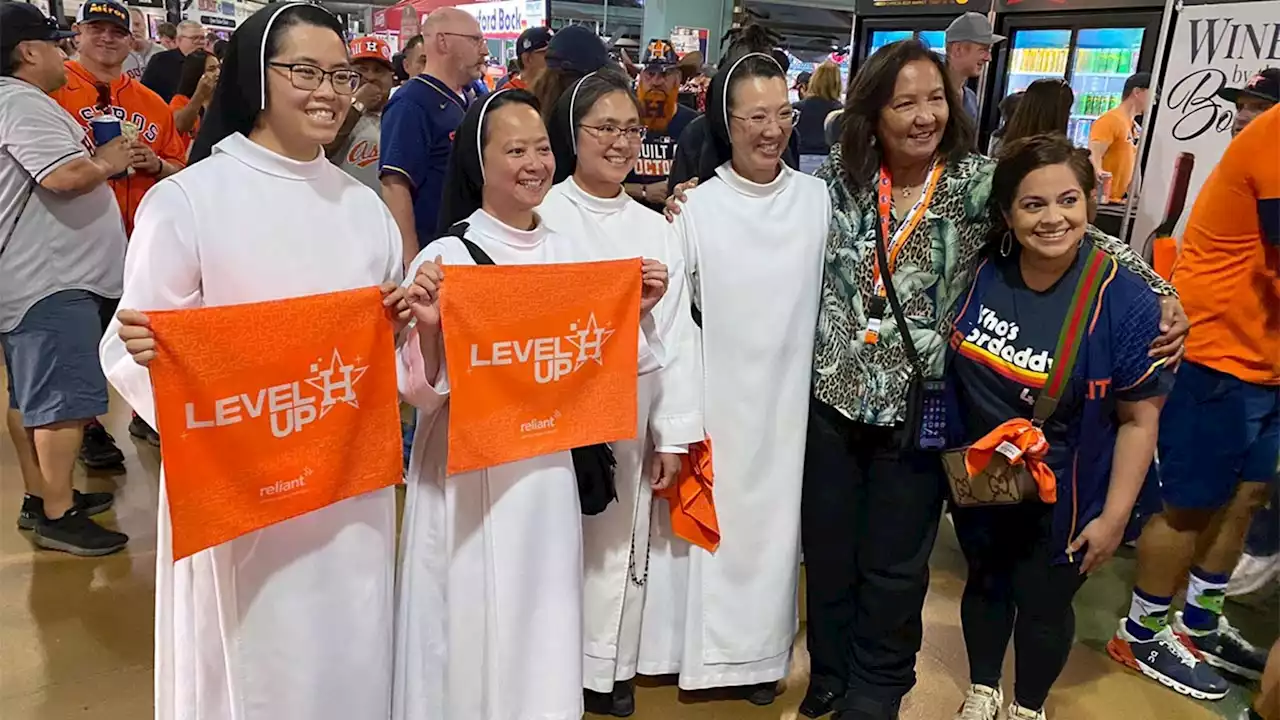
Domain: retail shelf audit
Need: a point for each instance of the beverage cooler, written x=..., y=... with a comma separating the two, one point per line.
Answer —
x=881, y=22
x=1095, y=49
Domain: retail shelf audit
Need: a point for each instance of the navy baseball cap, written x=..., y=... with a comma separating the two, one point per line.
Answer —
x=20, y=22
x=104, y=11
x=577, y=49
x=532, y=39
x=659, y=55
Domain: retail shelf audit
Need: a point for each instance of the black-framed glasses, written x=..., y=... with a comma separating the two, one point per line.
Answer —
x=309, y=77
x=610, y=132
x=477, y=39
x=756, y=121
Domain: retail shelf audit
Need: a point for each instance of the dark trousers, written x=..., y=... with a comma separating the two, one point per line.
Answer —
x=869, y=516
x=1013, y=590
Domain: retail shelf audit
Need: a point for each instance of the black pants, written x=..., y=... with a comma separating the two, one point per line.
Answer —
x=1014, y=591
x=869, y=516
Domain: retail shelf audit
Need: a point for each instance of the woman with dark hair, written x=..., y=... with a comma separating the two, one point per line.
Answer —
x=596, y=135
x=1008, y=106
x=490, y=616
x=753, y=233
x=195, y=91
x=902, y=178
x=1050, y=354
x=1045, y=108
x=294, y=620
x=574, y=52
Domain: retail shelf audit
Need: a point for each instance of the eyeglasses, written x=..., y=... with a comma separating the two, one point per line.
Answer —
x=611, y=133
x=477, y=39
x=310, y=77
x=758, y=121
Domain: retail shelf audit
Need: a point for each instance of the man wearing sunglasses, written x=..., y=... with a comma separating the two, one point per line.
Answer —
x=61, y=257
x=97, y=85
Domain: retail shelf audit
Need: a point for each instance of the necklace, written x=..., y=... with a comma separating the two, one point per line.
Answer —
x=907, y=190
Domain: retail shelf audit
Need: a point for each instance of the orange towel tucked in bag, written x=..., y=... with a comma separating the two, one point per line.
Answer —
x=1021, y=443
x=693, y=507
x=270, y=410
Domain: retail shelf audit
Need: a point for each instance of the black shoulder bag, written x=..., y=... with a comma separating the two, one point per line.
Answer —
x=924, y=426
x=594, y=465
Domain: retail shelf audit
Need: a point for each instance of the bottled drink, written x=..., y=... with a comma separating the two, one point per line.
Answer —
x=1126, y=61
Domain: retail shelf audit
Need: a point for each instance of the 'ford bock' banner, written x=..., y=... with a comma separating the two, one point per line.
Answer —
x=506, y=19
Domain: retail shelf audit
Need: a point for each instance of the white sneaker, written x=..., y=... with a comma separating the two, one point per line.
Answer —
x=1017, y=712
x=982, y=703
x=1252, y=574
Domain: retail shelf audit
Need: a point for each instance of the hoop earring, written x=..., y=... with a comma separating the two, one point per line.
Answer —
x=1006, y=244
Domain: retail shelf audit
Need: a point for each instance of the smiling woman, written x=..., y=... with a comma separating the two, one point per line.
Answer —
x=294, y=620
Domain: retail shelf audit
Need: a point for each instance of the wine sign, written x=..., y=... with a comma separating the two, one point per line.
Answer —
x=1214, y=47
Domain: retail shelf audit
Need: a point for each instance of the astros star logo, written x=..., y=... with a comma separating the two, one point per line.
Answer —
x=589, y=340
x=337, y=382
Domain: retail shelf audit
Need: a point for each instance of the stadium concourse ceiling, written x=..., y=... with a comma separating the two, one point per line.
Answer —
x=808, y=27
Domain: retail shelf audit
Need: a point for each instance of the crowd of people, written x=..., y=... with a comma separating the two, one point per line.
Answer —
x=873, y=328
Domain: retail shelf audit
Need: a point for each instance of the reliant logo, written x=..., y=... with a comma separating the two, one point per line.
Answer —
x=286, y=405
x=551, y=357
x=540, y=426
x=281, y=488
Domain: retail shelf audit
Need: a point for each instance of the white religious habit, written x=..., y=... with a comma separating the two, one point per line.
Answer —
x=755, y=256
x=489, y=616
x=669, y=418
x=294, y=620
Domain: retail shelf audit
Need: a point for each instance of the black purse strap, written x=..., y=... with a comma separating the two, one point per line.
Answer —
x=478, y=256
x=892, y=295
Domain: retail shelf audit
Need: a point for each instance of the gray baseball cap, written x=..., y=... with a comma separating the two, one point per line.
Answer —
x=972, y=27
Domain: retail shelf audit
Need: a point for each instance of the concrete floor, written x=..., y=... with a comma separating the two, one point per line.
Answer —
x=76, y=634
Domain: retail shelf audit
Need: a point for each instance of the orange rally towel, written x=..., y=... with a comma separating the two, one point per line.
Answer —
x=1019, y=442
x=541, y=358
x=270, y=410
x=693, y=506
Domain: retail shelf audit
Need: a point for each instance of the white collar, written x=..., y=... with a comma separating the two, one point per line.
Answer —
x=574, y=193
x=260, y=158
x=744, y=186
x=491, y=227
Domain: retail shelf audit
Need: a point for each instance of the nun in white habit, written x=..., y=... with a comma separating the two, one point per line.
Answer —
x=489, y=614
x=294, y=620
x=596, y=134
x=753, y=232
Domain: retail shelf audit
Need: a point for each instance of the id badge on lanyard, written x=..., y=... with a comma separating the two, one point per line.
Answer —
x=896, y=241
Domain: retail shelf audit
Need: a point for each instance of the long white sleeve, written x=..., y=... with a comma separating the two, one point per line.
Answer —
x=676, y=419
x=161, y=272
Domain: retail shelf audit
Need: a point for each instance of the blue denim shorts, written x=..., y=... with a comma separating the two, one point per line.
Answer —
x=1216, y=431
x=51, y=360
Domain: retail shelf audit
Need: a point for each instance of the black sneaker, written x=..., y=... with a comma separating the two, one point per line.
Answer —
x=619, y=703
x=91, y=503
x=141, y=430
x=1226, y=649
x=762, y=694
x=76, y=534
x=98, y=450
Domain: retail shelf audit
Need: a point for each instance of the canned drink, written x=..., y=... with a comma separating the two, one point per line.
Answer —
x=1104, y=187
x=105, y=129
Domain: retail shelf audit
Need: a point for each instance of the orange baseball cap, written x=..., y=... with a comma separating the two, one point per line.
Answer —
x=371, y=48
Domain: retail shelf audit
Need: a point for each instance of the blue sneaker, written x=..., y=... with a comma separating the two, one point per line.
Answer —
x=1225, y=648
x=1165, y=659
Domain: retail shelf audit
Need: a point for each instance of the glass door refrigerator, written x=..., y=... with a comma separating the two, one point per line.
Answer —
x=1094, y=51
x=880, y=22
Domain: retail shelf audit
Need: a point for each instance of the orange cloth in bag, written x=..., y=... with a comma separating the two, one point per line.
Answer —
x=1021, y=443
x=693, y=506
x=541, y=358
x=267, y=411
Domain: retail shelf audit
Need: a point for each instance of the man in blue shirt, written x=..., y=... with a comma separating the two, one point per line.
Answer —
x=420, y=121
x=664, y=119
x=969, y=41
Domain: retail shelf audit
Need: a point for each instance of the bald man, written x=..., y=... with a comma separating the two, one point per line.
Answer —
x=419, y=123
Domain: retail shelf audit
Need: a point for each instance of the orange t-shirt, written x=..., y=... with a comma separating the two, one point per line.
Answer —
x=177, y=103
x=1116, y=129
x=130, y=101
x=1228, y=272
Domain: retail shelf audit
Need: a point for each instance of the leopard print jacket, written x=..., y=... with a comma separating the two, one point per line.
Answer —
x=868, y=382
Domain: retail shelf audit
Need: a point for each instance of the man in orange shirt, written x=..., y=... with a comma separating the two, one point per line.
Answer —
x=97, y=85
x=1113, y=137
x=1220, y=429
